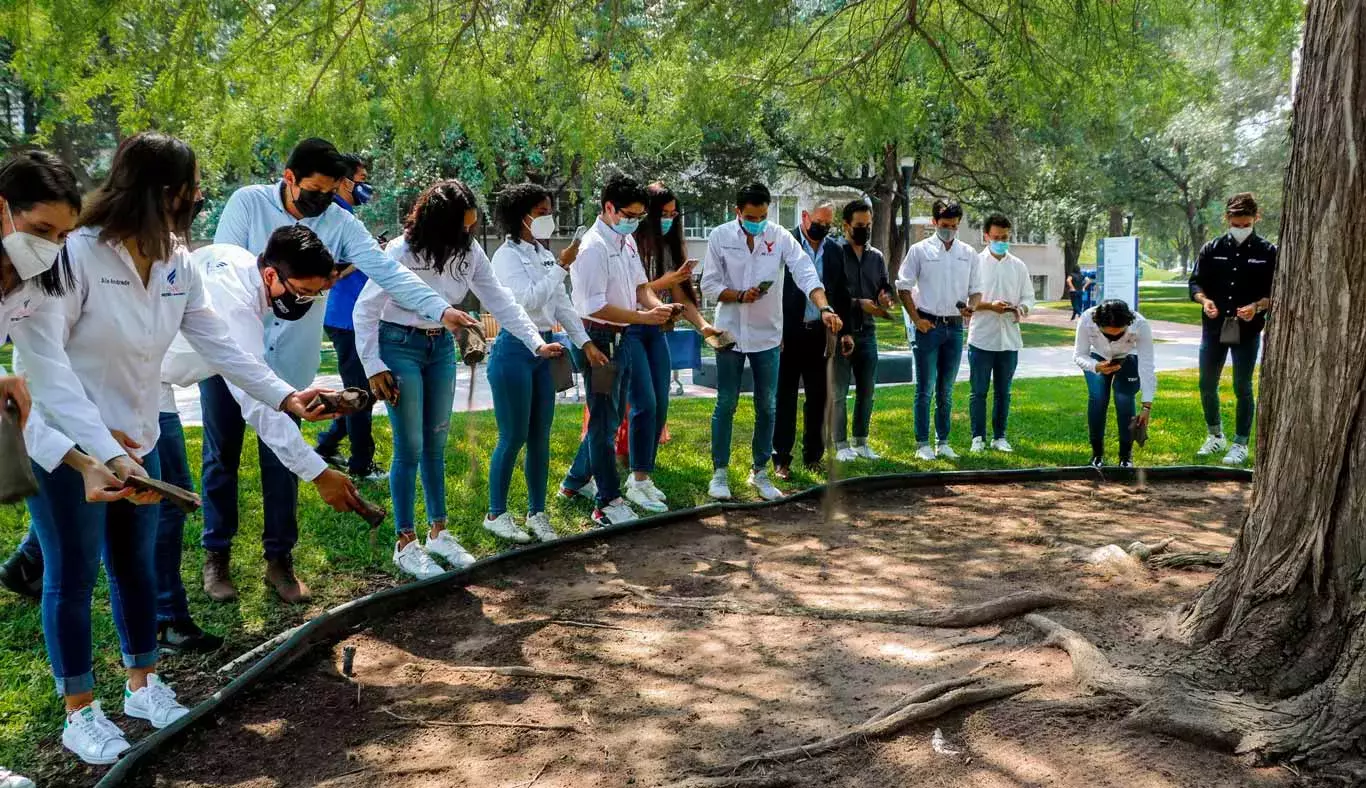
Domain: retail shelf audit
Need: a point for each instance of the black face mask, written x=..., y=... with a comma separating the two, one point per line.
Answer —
x=817, y=231
x=312, y=202
x=860, y=235
x=287, y=306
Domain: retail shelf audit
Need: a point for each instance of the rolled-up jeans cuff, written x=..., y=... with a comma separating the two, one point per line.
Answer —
x=75, y=685
x=144, y=660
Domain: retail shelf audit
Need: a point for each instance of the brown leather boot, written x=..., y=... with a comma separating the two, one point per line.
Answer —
x=280, y=576
x=218, y=577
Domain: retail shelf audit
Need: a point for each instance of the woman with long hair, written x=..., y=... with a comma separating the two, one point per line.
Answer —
x=93, y=357
x=411, y=364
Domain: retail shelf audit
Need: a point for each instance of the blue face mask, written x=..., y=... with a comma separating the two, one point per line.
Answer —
x=625, y=226
x=362, y=193
x=754, y=228
x=665, y=225
x=945, y=234
x=999, y=248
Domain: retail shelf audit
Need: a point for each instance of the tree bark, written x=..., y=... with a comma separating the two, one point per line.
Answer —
x=1286, y=617
x=885, y=189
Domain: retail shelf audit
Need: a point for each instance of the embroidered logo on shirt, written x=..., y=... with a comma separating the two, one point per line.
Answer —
x=172, y=289
x=769, y=245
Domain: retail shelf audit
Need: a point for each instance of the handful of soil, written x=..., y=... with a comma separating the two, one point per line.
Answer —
x=344, y=402
x=474, y=346
x=179, y=497
x=17, y=481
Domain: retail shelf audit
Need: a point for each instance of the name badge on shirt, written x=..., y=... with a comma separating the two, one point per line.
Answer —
x=1254, y=261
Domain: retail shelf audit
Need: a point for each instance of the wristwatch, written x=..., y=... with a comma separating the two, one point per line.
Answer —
x=828, y=308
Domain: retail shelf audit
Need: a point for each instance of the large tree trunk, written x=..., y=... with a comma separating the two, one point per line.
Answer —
x=1286, y=616
x=884, y=192
x=1072, y=232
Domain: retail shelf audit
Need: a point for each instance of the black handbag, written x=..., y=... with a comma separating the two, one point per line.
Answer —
x=1231, y=333
x=562, y=372
x=17, y=481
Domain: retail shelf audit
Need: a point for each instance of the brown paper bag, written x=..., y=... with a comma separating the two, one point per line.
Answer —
x=179, y=497
x=562, y=372
x=344, y=402
x=474, y=346
x=16, y=471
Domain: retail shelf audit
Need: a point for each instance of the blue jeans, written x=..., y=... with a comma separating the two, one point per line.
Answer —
x=1213, y=356
x=860, y=367
x=985, y=365
x=224, y=430
x=597, y=455
x=357, y=425
x=938, y=354
x=524, y=406
x=647, y=392
x=172, y=604
x=75, y=536
x=730, y=366
x=1124, y=387
x=424, y=368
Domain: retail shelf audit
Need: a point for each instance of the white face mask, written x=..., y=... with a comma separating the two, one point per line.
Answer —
x=542, y=227
x=1240, y=234
x=30, y=254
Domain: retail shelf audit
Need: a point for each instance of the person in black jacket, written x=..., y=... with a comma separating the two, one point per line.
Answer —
x=869, y=297
x=803, y=363
x=1232, y=283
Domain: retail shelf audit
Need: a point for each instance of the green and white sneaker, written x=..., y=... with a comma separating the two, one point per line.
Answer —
x=155, y=703
x=92, y=737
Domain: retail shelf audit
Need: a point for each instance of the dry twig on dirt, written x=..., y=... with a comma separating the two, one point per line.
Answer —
x=480, y=724
x=518, y=671
x=564, y=622
x=768, y=781
x=948, y=617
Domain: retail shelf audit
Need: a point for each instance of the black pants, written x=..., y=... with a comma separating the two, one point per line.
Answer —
x=357, y=425
x=802, y=364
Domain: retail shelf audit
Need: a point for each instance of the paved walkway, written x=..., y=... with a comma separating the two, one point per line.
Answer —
x=1179, y=349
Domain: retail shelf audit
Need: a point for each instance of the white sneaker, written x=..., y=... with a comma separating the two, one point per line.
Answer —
x=946, y=451
x=1212, y=445
x=845, y=453
x=413, y=560
x=979, y=445
x=444, y=546
x=637, y=493
x=504, y=526
x=92, y=737
x=866, y=452
x=720, y=485
x=759, y=480
x=925, y=453
x=655, y=492
x=1237, y=455
x=155, y=703
x=614, y=513
x=587, y=492
x=9, y=779
x=540, y=527
x=1002, y=445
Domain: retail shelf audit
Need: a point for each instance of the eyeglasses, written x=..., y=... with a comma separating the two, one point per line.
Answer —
x=303, y=298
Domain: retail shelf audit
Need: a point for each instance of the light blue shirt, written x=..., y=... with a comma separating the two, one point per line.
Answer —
x=294, y=348
x=817, y=257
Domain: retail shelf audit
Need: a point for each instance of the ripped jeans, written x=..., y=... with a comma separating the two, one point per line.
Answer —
x=423, y=365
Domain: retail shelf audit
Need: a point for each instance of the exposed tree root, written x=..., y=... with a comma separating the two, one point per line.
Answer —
x=1093, y=671
x=1073, y=707
x=1183, y=560
x=889, y=724
x=922, y=694
x=949, y=617
x=518, y=671
x=480, y=724
x=769, y=781
x=564, y=622
x=1143, y=551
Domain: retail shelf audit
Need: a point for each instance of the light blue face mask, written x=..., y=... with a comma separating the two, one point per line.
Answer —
x=945, y=234
x=754, y=228
x=665, y=225
x=999, y=248
x=625, y=226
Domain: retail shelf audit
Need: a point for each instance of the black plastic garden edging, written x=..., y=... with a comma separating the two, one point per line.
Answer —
x=332, y=624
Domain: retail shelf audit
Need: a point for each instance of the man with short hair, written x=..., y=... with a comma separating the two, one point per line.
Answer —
x=1232, y=283
x=870, y=295
x=353, y=192
x=745, y=259
x=802, y=362
x=994, y=339
x=940, y=284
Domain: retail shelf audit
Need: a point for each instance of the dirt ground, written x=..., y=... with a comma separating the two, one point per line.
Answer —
x=666, y=693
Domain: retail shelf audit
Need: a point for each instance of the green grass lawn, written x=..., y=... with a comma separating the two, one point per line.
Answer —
x=1171, y=304
x=891, y=335
x=336, y=558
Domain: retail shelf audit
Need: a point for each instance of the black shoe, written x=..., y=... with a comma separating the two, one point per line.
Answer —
x=23, y=575
x=1126, y=463
x=185, y=637
x=1097, y=462
x=373, y=473
x=334, y=459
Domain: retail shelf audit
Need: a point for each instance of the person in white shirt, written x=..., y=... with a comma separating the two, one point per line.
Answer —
x=93, y=360
x=521, y=381
x=743, y=271
x=994, y=339
x=609, y=289
x=1115, y=349
x=940, y=284
x=411, y=364
x=244, y=290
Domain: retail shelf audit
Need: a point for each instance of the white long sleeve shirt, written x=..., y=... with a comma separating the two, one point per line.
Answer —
x=606, y=272
x=536, y=281
x=939, y=278
x=1006, y=279
x=45, y=445
x=475, y=275
x=1137, y=340
x=731, y=265
x=237, y=293
x=93, y=357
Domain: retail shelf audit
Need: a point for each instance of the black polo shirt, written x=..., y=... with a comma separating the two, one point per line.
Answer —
x=1234, y=275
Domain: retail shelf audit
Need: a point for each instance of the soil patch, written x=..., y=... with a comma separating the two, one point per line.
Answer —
x=645, y=695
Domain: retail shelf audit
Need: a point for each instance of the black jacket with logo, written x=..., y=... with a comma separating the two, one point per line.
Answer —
x=832, y=279
x=1234, y=275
